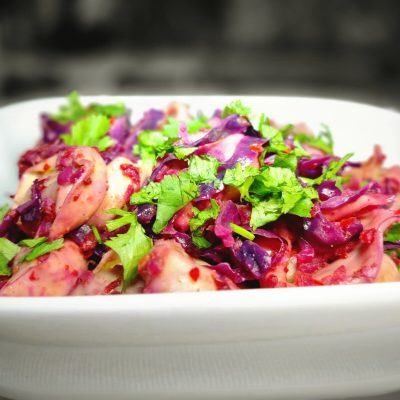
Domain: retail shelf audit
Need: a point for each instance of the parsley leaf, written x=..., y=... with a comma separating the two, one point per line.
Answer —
x=194, y=125
x=131, y=246
x=236, y=107
x=74, y=110
x=322, y=141
x=154, y=144
x=201, y=217
x=393, y=234
x=3, y=211
x=43, y=248
x=147, y=194
x=183, y=152
x=330, y=172
x=8, y=250
x=266, y=211
x=32, y=242
x=266, y=130
x=91, y=131
x=175, y=193
x=203, y=169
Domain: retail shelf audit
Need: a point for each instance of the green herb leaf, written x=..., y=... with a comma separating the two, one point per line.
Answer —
x=322, y=141
x=237, y=176
x=199, y=241
x=96, y=234
x=393, y=233
x=203, y=169
x=242, y=232
x=183, y=152
x=8, y=250
x=196, y=124
x=43, y=248
x=201, y=217
x=286, y=161
x=236, y=107
x=91, y=131
x=266, y=130
x=331, y=172
x=74, y=110
x=32, y=242
x=175, y=193
x=148, y=194
x=265, y=212
x=3, y=211
x=131, y=247
x=126, y=218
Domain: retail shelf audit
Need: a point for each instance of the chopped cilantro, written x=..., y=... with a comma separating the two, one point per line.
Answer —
x=131, y=246
x=322, y=141
x=201, y=217
x=183, y=152
x=241, y=231
x=175, y=193
x=8, y=250
x=96, y=234
x=194, y=125
x=236, y=107
x=266, y=130
x=42, y=248
x=74, y=110
x=199, y=241
x=3, y=211
x=154, y=144
x=203, y=169
x=393, y=234
x=330, y=172
x=91, y=131
x=32, y=242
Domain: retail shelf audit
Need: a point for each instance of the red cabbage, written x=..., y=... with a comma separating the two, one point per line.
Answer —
x=51, y=129
x=228, y=214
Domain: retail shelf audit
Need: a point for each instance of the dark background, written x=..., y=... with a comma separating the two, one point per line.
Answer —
x=336, y=48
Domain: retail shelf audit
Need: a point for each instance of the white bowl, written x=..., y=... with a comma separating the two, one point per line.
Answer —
x=303, y=343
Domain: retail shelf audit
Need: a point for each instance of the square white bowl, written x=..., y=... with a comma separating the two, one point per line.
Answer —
x=303, y=343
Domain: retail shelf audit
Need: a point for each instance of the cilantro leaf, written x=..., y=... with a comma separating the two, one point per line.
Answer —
x=266, y=130
x=148, y=194
x=194, y=125
x=330, y=172
x=32, y=242
x=130, y=247
x=393, y=234
x=91, y=131
x=199, y=241
x=175, y=193
x=237, y=176
x=183, y=152
x=154, y=144
x=8, y=249
x=203, y=169
x=286, y=161
x=109, y=110
x=322, y=141
x=201, y=217
x=236, y=107
x=265, y=212
x=242, y=232
x=43, y=248
x=3, y=211
x=74, y=110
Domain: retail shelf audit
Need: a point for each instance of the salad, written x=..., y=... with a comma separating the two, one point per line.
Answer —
x=187, y=202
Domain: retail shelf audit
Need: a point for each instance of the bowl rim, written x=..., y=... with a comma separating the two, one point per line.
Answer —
x=361, y=294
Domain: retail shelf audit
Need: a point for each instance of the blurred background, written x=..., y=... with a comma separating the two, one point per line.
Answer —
x=338, y=48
